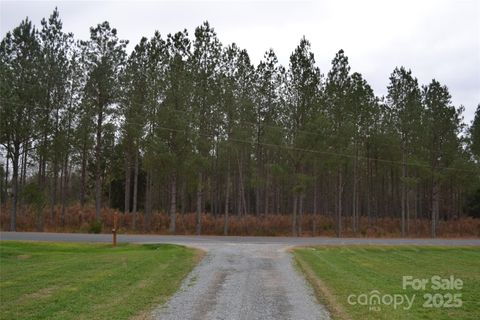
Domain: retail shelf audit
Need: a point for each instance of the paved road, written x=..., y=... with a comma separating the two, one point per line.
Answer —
x=241, y=277
x=201, y=240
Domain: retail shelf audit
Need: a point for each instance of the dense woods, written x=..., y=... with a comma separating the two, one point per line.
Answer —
x=186, y=125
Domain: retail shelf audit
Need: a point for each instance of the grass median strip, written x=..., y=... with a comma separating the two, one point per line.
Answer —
x=367, y=282
x=88, y=281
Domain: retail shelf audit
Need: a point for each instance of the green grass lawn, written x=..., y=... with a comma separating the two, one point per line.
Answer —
x=88, y=281
x=339, y=272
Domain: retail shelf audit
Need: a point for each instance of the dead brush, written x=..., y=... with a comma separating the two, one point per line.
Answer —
x=78, y=219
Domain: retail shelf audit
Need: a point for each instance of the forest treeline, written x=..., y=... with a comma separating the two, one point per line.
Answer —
x=185, y=124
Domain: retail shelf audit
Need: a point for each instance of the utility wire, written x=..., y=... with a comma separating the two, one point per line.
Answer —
x=292, y=148
x=331, y=153
x=265, y=125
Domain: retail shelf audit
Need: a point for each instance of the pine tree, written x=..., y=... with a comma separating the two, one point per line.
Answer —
x=336, y=98
x=442, y=138
x=157, y=62
x=363, y=110
x=303, y=85
x=135, y=98
x=404, y=98
x=20, y=92
x=204, y=64
x=56, y=50
x=268, y=104
x=173, y=116
x=105, y=58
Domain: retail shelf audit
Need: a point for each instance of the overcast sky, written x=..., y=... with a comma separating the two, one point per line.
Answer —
x=435, y=38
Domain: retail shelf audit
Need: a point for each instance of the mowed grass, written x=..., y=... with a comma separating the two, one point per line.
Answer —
x=88, y=281
x=337, y=272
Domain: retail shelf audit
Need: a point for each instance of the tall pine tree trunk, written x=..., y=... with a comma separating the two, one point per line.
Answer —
x=148, y=202
x=183, y=196
x=415, y=209
x=238, y=193
x=243, y=202
x=339, y=203
x=277, y=200
x=173, y=203
x=55, y=167
x=257, y=198
x=98, y=171
x=435, y=206
x=315, y=204
x=404, y=192
x=369, y=189
x=135, y=191
x=7, y=173
x=54, y=189
x=408, y=211
x=198, y=228
x=294, y=218
x=354, y=193
x=227, y=196
x=22, y=178
x=42, y=161
x=15, y=160
x=83, y=174
x=300, y=214
x=266, y=193
x=128, y=175
x=64, y=188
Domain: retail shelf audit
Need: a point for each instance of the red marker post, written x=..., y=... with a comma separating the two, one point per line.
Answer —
x=114, y=230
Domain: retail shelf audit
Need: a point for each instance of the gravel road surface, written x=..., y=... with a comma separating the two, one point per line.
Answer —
x=241, y=277
x=244, y=281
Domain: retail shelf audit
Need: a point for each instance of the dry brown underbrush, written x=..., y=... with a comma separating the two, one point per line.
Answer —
x=82, y=220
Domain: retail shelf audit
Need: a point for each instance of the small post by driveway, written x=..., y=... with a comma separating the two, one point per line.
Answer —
x=114, y=230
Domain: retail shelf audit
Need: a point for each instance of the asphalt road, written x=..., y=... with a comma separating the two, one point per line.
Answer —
x=242, y=278
x=200, y=241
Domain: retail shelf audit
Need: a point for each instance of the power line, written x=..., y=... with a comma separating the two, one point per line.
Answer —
x=331, y=153
x=292, y=148
x=270, y=126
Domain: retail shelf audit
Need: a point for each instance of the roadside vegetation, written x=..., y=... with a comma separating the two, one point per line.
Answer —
x=78, y=219
x=88, y=281
x=340, y=275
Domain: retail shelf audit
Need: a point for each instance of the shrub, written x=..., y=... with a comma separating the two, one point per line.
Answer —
x=95, y=226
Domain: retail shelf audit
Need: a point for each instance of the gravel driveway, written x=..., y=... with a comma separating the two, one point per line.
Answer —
x=244, y=281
